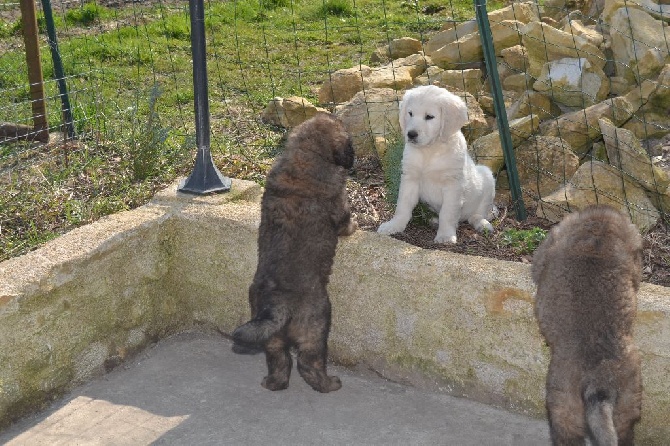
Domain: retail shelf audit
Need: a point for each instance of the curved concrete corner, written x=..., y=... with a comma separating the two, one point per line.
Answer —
x=464, y=324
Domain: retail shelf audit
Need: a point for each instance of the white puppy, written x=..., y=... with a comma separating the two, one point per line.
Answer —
x=436, y=167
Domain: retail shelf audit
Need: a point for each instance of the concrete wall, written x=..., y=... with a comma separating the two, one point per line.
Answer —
x=461, y=324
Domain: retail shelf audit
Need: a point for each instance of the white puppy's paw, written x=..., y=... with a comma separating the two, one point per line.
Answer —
x=390, y=227
x=483, y=225
x=446, y=238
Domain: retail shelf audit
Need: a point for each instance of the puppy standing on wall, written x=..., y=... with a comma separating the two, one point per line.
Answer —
x=303, y=210
x=436, y=166
x=587, y=273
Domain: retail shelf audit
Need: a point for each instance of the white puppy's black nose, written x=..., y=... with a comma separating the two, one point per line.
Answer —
x=412, y=135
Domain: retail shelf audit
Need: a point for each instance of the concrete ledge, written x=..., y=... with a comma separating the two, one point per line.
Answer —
x=464, y=324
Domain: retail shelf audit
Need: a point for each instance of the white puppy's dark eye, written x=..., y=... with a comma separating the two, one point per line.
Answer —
x=429, y=117
x=411, y=114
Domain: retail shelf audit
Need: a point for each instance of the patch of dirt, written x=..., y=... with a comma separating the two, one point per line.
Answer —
x=367, y=195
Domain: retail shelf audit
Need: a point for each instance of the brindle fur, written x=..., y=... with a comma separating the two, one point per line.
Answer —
x=303, y=210
x=587, y=273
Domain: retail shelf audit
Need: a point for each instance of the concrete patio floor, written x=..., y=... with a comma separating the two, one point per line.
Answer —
x=191, y=389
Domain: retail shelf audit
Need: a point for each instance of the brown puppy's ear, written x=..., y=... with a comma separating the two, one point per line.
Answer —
x=343, y=154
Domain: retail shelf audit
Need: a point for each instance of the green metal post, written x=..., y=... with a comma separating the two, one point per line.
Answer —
x=58, y=69
x=499, y=106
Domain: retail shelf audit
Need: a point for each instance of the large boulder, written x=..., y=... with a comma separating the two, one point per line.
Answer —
x=558, y=9
x=463, y=80
x=289, y=112
x=573, y=82
x=590, y=33
x=477, y=125
x=468, y=49
x=404, y=47
x=487, y=150
x=531, y=103
x=544, y=164
x=371, y=118
x=523, y=12
x=343, y=84
x=516, y=58
x=580, y=128
x=545, y=43
x=658, y=9
x=639, y=44
x=449, y=35
x=397, y=49
x=653, y=119
x=518, y=83
x=598, y=183
x=625, y=152
x=398, y=74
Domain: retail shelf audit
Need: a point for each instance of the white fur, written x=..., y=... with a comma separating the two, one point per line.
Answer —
x=436, y=167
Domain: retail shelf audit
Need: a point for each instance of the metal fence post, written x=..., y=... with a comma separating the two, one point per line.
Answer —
x=205, y=177
x=58, y=70
x=499, y=106
x=37, y=100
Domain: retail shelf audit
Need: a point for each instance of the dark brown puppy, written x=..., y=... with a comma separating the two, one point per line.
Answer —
x=587, y=273
x=303, y=210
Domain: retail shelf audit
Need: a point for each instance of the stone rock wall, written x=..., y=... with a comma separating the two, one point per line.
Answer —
x=584, y=90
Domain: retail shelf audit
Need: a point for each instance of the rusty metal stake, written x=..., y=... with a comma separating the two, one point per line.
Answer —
x=38, y=103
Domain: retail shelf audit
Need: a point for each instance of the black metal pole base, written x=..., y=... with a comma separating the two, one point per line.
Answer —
x=206, y=178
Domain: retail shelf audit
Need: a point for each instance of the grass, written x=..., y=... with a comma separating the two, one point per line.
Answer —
x=87, y=14
x=130, y=82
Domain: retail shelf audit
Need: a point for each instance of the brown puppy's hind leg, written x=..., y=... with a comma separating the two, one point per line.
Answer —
x=626, y=432
x=628, y=438
x=279, y=362
x=312, y=368
x=564, y=405
x=312, y=356
x=562, y=434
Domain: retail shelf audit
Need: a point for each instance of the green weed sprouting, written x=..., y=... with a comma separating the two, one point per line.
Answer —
x=86, y=15
x=8, y=29
x=392, y=167
x=146, y=147
x=273, y=4
x=523, y=241
x=176, y=27
x=336, y=8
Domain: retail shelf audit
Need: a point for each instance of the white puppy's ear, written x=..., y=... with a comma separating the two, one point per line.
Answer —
x=454, y=113
x=403, y=113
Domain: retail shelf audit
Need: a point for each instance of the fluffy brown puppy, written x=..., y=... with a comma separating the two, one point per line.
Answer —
x=303, y=210
x=587, y=273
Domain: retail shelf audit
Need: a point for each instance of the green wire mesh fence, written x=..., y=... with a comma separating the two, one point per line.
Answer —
x=585, y=91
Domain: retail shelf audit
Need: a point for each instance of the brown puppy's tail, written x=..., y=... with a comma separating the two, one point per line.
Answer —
x=598, y=409
x=257, y=331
